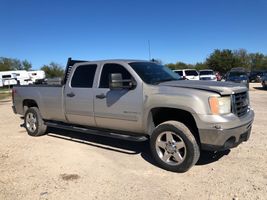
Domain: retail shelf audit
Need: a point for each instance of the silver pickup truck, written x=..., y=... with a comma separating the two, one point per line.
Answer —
x=137, y=100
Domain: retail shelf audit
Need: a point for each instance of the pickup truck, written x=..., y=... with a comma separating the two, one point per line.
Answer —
x=140, y=100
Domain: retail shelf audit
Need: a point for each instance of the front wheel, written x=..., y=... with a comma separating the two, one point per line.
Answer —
x=34, y=123
x=174, y=147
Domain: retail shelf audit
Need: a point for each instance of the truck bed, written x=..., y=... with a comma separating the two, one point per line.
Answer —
x=48, y=97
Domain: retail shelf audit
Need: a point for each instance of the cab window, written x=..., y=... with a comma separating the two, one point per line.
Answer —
x=83, y=76
x=112, y=68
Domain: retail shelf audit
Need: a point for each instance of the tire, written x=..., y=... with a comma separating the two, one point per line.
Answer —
x=180, y=154
x=34, y=123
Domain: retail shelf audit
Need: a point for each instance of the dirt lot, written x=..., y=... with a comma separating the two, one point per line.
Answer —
x=68, y=165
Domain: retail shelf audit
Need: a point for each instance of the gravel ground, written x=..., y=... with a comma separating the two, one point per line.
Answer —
x=68, y=165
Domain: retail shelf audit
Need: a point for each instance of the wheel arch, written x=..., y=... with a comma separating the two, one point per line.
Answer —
x=28, y=103
x=158, y=115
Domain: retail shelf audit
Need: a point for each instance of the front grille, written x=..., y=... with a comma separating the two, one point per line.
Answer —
x=240, y=104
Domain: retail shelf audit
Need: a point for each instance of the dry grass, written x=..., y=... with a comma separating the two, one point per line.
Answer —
x=5, y=96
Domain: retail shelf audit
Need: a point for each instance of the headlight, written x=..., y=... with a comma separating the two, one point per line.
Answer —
x=220, y=105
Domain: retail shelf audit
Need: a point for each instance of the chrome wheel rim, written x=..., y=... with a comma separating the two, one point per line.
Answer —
x=170, y=148
x=31, y=122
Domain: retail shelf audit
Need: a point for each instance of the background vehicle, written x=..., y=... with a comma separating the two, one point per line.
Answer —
x=188, y=74
x=238, y=77
x=264, y=80
x=207, y=74
x=136, y=100
x=255, y=76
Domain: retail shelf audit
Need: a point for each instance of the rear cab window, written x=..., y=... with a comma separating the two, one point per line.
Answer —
x=83, y=76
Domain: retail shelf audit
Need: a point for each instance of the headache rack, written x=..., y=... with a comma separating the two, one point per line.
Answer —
x=69, y=66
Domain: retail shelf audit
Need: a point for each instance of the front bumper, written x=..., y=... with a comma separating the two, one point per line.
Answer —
x=226, y=135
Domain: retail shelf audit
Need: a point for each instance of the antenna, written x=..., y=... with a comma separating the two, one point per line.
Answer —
x=149, y=53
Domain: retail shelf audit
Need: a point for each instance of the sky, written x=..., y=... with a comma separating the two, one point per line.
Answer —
x=178, y=30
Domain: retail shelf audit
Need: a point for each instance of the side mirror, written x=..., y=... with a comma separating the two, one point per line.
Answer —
x=116, y=82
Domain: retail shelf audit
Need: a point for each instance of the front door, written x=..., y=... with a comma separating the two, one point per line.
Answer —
x=119, y=109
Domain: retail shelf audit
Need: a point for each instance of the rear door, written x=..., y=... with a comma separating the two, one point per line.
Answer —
x=79, y=95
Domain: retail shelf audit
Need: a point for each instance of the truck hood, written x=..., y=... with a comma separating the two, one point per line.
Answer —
x=222, y=88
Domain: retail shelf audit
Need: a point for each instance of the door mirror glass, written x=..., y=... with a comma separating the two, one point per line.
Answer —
x=116, y=82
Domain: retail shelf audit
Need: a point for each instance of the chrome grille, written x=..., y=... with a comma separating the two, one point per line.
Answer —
x=240, y=104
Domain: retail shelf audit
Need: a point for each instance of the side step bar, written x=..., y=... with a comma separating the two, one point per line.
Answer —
x=97, y=132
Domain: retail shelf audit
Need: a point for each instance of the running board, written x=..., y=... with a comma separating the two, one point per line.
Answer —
x=97, y=132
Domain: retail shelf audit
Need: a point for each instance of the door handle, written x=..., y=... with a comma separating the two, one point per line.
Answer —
x=100, y=96
x=70, y=94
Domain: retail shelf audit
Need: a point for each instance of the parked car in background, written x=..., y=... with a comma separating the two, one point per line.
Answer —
x=238, y=77
x=264, y=80
x=188, y=74
x=255, y=76
x=207, y=75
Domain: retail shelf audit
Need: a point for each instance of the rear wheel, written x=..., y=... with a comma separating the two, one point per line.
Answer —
x=174, y=147
x=34, y=123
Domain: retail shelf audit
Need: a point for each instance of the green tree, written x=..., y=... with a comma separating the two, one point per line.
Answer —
x=53, y=70
x=258, y=61
x=200, y=66
x=179, y=65
x=26, y=65
x=243, y=58
x=222, y=60
x=6, y=64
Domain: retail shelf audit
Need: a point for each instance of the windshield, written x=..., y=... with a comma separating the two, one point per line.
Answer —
x=191, y=73
x=153, y=73
x=208, y=72
x=240, y=74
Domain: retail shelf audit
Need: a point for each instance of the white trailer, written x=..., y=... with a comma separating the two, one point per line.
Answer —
x=37, y=75
x=7, y=79
x=1, y=82
x=22, y=77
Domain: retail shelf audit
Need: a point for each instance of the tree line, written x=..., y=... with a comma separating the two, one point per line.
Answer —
x=226, y=59
x=219, y=60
